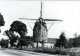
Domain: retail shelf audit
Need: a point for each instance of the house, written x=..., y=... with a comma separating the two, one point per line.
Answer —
x=50, y=42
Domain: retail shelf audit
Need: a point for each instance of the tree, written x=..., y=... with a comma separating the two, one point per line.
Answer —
x=25, y=41
x=61, y=42
x=2, y=22
x=76, y=41
x=12, y=37
x=21, y=29
x=18, y=27
x=4, y=43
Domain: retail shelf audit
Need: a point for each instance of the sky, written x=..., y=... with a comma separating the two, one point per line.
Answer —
x=68, y=11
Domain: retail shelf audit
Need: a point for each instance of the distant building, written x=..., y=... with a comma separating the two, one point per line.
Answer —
x=50, y=42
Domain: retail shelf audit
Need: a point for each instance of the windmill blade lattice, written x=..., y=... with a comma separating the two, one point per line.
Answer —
x=52, y=20
x=27, y=19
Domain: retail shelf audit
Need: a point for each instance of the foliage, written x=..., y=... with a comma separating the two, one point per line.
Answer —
x=76, y=41
x=62, y=41
x=2, y=22
x=19, y=27
x=4, y=43
x=25, y=41
x=12, y=37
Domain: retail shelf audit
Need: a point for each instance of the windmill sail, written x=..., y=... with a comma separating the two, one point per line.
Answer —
x=41, y=10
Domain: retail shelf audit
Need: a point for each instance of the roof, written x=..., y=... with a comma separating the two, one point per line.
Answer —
x=51, y=40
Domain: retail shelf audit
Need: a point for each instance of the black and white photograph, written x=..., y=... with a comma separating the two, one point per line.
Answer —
x=39, y=28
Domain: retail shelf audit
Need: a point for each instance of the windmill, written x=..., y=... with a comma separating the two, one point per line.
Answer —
x=40, y=30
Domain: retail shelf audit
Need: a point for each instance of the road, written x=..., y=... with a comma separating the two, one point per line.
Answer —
x=12, y=52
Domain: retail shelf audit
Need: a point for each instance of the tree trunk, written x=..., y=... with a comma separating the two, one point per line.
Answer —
x=37, y=44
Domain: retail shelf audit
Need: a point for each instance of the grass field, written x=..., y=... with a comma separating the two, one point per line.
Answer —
x=57, y=52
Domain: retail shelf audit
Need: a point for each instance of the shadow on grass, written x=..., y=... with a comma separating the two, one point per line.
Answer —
x=51, y=51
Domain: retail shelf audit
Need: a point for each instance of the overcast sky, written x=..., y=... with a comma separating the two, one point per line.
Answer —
x=68, y=11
